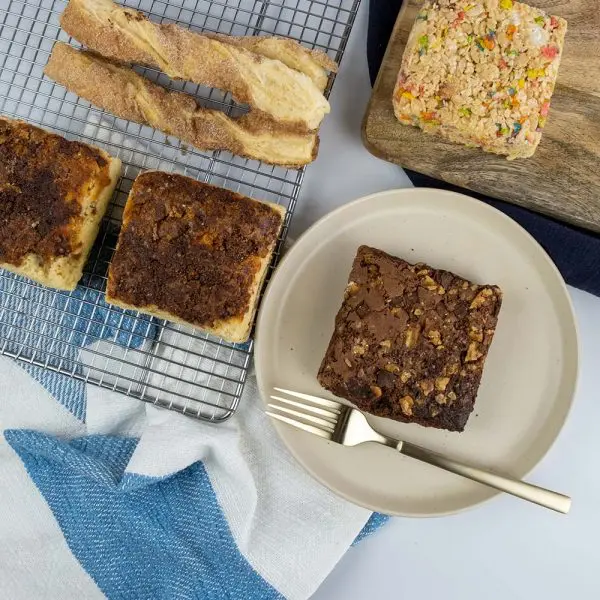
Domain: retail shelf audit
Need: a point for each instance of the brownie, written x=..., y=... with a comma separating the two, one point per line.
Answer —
x=410, y=341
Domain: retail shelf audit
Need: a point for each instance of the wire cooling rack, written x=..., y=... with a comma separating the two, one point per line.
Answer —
x=78, y=334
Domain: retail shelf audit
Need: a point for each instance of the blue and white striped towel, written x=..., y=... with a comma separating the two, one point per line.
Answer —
x=154, y=505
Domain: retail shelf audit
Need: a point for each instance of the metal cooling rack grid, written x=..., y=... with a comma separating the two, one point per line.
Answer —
x=78, y=334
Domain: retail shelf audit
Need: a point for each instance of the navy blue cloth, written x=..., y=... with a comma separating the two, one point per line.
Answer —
x=575, y=251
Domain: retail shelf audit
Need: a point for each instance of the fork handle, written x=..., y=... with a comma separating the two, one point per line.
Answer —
x=526, y=491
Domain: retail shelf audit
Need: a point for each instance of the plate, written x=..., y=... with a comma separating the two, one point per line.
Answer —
x=530, y=374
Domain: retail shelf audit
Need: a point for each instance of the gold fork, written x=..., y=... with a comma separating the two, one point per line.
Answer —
x=348, y=426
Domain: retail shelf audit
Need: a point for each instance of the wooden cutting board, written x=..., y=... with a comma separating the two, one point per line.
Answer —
x=562, y=179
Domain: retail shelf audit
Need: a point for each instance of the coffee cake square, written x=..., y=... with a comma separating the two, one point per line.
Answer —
x=53, y=195
x=410, y=341
x=193, y=253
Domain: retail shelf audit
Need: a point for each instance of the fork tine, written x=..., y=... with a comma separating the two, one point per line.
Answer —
x=307, y=417
x=299, y=425
x=331, y=414
x=315, y=399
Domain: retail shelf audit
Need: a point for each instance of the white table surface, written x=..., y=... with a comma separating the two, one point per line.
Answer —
x=507, y=549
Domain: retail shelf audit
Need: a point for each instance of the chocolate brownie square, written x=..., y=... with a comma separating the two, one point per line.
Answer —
x=410, y=341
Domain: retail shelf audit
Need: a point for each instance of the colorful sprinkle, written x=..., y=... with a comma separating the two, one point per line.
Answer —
x=465, y=112
x=550, y=52
x=510, y=102
x=503, y=64
x=470, y=38
x=521, y=83
x=536, y=73
x=479, y=44
x=540, y=21
x=506, y=4
x=407, y=95
x=422, y=16
x=511, y=91
x=553, y=22
x=423, y=44
x=406, y=118
x=513, y=53
x=460, y=17
x=516, y=129
x=430, y=118
x=488, y=41
x=502, y=130
x=542, y=122
x=545, y=108
x=510, y=31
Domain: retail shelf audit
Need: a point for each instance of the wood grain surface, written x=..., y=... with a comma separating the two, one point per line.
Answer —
x=562, y=179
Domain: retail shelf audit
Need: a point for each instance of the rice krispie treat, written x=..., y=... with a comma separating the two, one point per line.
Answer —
x=481, y=73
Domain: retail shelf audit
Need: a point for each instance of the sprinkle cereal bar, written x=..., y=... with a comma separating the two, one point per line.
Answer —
x=481, y=73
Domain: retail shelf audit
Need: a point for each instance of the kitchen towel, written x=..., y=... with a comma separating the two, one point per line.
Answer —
x=152, y=504
x=576, y=252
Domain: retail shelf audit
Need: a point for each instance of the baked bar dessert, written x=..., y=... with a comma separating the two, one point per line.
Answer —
x=53, y=195
x=410, y=341
x=481, y=73
x=193, y=253
x=266, y=84
x=130, y=96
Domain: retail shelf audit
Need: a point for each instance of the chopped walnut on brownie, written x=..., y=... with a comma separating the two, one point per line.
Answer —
x=410, y=341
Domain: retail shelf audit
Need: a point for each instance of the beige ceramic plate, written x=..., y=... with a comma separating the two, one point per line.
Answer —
x=529, y=378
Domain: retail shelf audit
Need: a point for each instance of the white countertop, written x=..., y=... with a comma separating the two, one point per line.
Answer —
x=507, y=549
